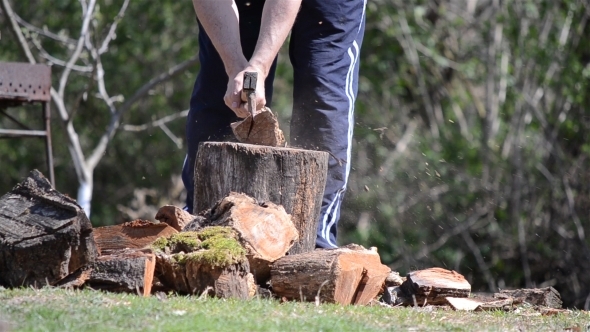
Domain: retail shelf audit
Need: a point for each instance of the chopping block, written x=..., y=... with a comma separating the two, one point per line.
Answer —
x=293, y=178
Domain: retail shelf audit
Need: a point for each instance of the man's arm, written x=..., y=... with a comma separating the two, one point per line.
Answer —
x=220, y=19
x=278, y=17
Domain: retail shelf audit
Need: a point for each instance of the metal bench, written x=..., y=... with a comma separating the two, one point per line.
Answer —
x=24, y=83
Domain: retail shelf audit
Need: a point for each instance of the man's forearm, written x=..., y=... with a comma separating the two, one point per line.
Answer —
x=278, y=17
x=220, y=19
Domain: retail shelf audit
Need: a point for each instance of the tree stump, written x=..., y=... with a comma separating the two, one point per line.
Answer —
x=293, y=178
x=345, y=276
x=44, y=235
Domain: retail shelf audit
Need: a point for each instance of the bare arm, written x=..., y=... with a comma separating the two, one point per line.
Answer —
x=221, y=22
x=278, y=17
x=220, y=19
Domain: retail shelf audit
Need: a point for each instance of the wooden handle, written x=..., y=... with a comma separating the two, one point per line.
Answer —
x=249, y=90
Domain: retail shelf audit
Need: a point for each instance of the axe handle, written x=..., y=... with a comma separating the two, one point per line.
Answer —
x=251, y=102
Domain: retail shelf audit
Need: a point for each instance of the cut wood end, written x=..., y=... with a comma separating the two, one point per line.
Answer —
x=440, y=278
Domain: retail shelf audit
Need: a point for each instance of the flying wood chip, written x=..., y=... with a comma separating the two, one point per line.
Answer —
x=265, y=130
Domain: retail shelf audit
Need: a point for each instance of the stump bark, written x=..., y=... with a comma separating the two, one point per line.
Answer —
x=125, y=271
x=293, y=178
x=44, y=235
x=545, y=297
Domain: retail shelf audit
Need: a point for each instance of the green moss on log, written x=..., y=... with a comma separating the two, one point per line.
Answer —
x=216, y=246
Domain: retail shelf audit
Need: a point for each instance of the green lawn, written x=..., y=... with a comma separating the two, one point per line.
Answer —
x=60, y=310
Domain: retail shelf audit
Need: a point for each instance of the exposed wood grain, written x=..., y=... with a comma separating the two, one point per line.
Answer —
x=336, y=275
x=293, y=178
x=432, y=286
x=265, y=229
x=136, y=234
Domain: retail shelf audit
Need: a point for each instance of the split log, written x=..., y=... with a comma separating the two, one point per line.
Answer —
x=174, y=216
x=544, y=297
x=125, y=271
x=432, y=286
x=264, y=131
x=293, y=178
x=135, y=234
x=210, y=261
x=265, y=230
x=44, y=235
x=343, y=275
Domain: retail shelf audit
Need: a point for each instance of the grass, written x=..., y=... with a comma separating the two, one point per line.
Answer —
x=51, y=309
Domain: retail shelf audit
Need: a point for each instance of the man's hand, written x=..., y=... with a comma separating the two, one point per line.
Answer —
x=233, y=95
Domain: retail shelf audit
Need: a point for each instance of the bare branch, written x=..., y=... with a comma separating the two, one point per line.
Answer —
x=111, y=35
x=83, y=31
x=54, y=60
x=171, y=135
x=116, y=118
x=485, y=269
x=410, y=49
x=156, y=123
x=43, y=32
x=10, y=17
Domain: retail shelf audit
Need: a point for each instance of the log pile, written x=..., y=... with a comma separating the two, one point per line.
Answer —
x=237, y=248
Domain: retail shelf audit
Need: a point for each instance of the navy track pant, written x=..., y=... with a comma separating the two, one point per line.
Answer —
x=324, y=51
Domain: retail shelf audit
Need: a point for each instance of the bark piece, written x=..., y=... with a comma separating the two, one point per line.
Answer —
x=265, y=230
x=264, y=131
x=293, y=178
x=136, y=234
x=125, y=271
x=545, y=297
x=432, y=286
x=341, y=275
x=44, y=235
x=174, y=216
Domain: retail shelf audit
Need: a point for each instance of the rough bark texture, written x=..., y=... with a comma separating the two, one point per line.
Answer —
x=264, y=131
x=292, y=178
x=136, y=234
x=44, y=235
x=174, y=216
x=344, y=276
x=125, y=271
x=265, y=229
x=432, y=286
x=545, y=297
x=232, y=281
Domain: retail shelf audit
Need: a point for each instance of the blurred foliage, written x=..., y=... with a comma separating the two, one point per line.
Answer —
x=471, y=143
